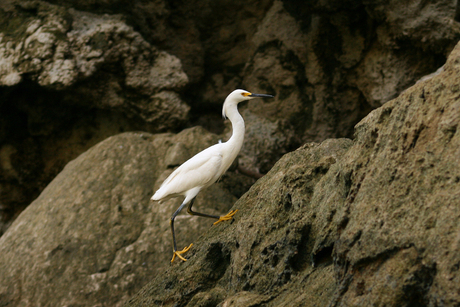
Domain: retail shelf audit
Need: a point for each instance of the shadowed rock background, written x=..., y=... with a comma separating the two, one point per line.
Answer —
x=358, y=215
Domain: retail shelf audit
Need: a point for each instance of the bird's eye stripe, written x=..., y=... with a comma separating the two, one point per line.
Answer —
x=245, y=94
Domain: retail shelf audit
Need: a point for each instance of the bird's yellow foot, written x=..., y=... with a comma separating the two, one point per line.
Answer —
x=226, y=217
x=178, y=253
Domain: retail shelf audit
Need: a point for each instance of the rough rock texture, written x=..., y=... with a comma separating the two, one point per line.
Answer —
x=93, y=238
x=69, y=80
x=57, y=48
x=407, y=179
x=373, y=222
x=266, y=250
x=73, y=73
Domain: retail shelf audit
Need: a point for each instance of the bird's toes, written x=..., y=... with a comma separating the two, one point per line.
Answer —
x=179, y=253
x=226, y=217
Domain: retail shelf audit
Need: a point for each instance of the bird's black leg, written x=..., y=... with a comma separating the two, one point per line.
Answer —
x=189, y=211
x=171, y=222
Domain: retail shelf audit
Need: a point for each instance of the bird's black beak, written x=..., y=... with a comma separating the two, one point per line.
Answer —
x=260, y=96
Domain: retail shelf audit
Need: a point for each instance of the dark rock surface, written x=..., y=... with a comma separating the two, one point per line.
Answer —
x=93, y=238
x=259, y=257
x=338, y=223
x=69, y=79
x=369, y=223
x=73, y=73
x=372, y=220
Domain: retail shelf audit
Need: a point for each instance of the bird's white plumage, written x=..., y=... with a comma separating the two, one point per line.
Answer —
x=209, y=165
x=198, y=172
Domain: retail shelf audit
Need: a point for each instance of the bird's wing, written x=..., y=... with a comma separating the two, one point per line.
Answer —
x=199, y=171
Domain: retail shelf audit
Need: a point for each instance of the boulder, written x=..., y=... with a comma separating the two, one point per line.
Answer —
x=93, y=237
x=265, y=255
x=74, y=72
x=68, y=80
x=373, y=221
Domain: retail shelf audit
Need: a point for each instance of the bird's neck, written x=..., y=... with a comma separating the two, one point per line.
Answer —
x=236, y=140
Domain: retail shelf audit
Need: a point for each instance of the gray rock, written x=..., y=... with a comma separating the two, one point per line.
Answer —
x=338, y=223
x=78, y=71
x=58, y=48
x=92, y=238
x=68, y=80
x=265, y=254
x=403, y=220
x=369, y=222
x=329, y=63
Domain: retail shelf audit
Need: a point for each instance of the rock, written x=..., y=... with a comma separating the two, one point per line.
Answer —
x=338, y=223
x=92, y=237
x=76, y=72
x=266, y=250
x=266, y=141
x=68, y=80
x=328, y=67
x=403, y=198
x=398, y=23
x=369, y=222
x=58, y=48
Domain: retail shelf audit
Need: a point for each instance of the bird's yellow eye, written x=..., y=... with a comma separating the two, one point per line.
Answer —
x=245, y=94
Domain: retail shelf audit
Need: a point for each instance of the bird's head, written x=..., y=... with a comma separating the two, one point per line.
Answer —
x=237, y=96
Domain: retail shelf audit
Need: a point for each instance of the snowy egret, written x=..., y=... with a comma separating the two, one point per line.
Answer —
x=206, y=167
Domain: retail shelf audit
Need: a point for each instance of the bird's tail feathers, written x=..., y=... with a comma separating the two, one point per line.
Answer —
x=162, y=195
x=158, y=195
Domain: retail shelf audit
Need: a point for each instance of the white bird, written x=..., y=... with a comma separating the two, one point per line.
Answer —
x=206, y=167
